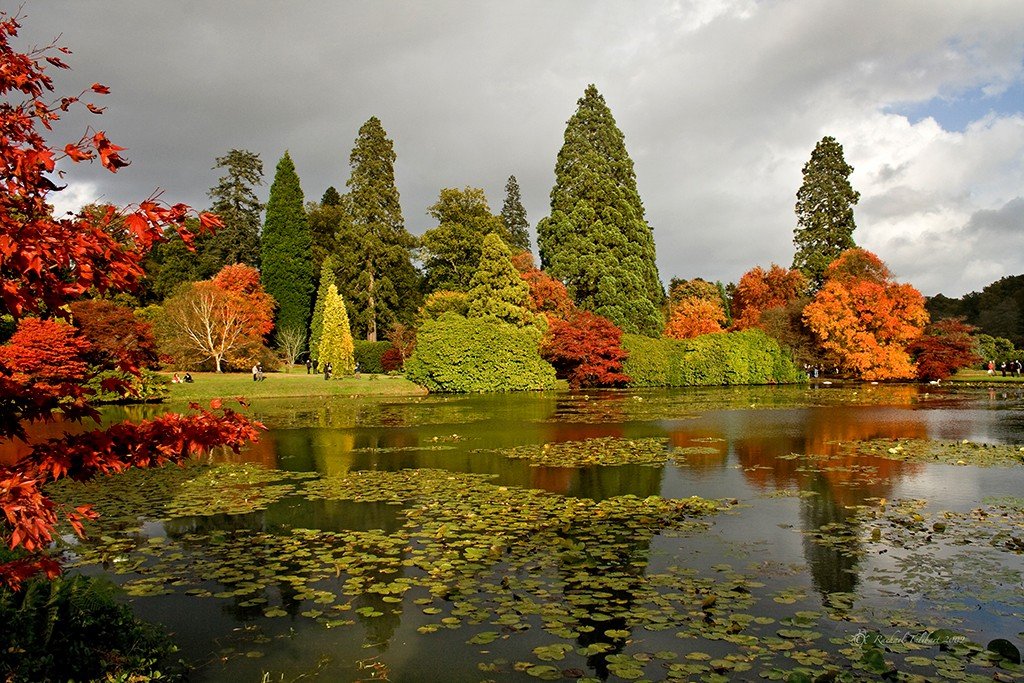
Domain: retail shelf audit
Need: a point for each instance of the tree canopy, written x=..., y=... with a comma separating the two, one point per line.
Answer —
x=451, y=251
x=47, y=263
x=235, y=202
x=513, y=216
x=824, y=211
x=596, y=239
x=376, y=271
x=864, y=319
x=497, y=289
x=336, y=346
x=287, y=270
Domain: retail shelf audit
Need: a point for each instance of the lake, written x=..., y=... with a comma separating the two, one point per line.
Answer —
x=851, y=532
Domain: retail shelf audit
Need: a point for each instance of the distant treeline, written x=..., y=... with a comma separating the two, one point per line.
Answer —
x=997, y=310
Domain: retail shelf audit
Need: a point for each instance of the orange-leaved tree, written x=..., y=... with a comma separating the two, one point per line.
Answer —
x=45, y=264
x=864, y=319
x=693, y=317
x=760, y=290
x=223, y=319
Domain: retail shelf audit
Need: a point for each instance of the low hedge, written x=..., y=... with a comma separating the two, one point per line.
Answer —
x=747, y=357
x=463, y=355
x=368, y=355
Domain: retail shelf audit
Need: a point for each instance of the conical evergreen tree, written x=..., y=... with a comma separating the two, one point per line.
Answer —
x=316, y=327
x=497, y=289
x=596, y=239
x=336, y=346
x=824, y=212
x=513, y=215
x=286, y=268
x=331, y=197
x=377, y=271
x=235, y=202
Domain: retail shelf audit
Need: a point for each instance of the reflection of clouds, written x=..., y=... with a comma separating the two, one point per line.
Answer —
x=956, y=486
x=985, y=426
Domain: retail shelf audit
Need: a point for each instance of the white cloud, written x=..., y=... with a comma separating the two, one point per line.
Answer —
x=73, y=197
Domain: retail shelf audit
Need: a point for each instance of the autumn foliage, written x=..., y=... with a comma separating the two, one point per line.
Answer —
x=45, y=264
x=117, y=336
x=693, y=317
x=585, y=349
x=760, y=290
x=223, y=319
x=945, y=347
x=864, y=319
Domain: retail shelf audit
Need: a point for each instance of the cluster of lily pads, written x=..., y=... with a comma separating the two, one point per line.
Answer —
x=603, y=451
x=565, y=584
x=951, y=453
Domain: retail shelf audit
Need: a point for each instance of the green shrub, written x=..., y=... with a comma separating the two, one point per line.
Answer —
x=459, y=355
x=368, y=355
x=747, y=357
x=73, y=628
x=149, y=387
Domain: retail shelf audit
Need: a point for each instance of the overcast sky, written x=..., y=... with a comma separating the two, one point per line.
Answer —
x=721, y=103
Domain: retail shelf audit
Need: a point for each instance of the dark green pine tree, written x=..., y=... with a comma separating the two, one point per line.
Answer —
x=234, y=200
x=380, y=283
x=327, y=221
x=596, y=239
x=331, y=197
x=286, y=264
x=513, y=215
x=451, y=252
x=824, y=211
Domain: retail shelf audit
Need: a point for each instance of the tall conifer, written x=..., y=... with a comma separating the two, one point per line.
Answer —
x=377, y=272
x=596, y=239
x=513, y=215
x=824, y=212
x=235, y=202
x=336, y=346
x=286, y=263
x=497, y=289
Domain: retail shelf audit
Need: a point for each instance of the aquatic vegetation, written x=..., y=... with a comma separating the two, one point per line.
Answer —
x=814, y=575
x=606, y=451
x=949, y=452
x=570, y=576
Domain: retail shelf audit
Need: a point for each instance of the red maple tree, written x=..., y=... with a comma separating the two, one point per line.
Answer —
x=118, y=337
x=45, y=264
x=585, y=349
x=943, y=348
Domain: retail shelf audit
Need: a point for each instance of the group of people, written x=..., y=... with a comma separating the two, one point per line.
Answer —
x=187, y=379
x=1014, y=367
x=326, y=368
x=257, y=373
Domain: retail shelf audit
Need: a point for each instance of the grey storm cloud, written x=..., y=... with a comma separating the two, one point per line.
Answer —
x=721, y=103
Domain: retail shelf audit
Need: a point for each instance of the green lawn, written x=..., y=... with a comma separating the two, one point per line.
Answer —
x=208, y=385
x=973, y=375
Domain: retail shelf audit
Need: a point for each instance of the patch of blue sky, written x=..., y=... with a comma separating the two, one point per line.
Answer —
x=957, y=112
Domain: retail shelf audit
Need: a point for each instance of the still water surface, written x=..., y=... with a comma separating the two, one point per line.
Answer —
x=742, y=442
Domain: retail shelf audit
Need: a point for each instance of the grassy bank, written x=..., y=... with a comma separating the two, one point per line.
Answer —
x=982, y=377
x=208, y=385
